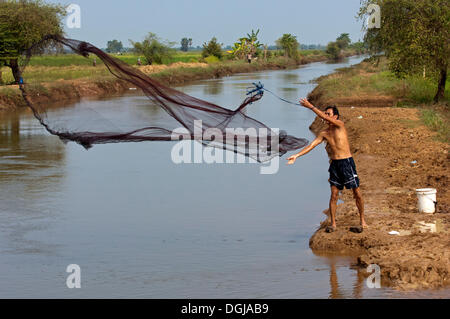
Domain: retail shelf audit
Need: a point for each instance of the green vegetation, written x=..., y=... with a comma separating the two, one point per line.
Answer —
x=154, y=49
x=114, y=46
x=52, y=67
x=185, y=44
x=289, y=44
x=212, y=48
x=373, y=79
x=46, y=80
x=245, y=46
x=47, y=68
x=211, y=59
x=415, y=36
x=335, y=50
x=436, y=121
x=343, y=41
x=24, y=23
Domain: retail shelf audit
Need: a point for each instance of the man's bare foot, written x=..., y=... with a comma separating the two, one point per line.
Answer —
x=364, y=225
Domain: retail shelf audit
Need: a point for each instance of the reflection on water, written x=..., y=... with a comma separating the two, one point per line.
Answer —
x=338, y=288
x=140, y=226
x=289, y=77
x=24, y=152
x=215, y=88
x=31, y=166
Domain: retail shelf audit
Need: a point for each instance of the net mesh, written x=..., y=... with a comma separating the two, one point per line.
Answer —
x=210, y=124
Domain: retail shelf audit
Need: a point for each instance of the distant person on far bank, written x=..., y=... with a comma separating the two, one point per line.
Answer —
x=342, y=168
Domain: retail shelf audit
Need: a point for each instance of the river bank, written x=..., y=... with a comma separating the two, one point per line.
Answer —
x=70, y=83
x=395, y=153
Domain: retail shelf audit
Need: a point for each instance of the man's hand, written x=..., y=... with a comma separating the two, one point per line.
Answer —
x=291, y=160
x=306, y=103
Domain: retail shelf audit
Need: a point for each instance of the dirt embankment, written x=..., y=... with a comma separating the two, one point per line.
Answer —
x=176, y=74
x=395, y=154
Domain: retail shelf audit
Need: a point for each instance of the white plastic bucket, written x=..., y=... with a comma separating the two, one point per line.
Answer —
x=426, y=200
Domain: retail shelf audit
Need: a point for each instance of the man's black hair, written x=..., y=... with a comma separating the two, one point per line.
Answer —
x=334, y=108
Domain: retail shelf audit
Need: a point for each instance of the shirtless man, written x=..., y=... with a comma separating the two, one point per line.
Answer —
x=342, y=168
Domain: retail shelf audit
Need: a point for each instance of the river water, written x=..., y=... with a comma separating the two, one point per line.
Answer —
x=140, y=226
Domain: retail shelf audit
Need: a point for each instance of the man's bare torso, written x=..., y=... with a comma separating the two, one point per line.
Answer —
x=337, y=140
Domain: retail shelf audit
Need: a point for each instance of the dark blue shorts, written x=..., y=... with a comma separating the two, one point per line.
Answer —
x=343, y=174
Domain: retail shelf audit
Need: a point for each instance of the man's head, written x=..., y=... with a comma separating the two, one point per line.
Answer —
x=332, y=111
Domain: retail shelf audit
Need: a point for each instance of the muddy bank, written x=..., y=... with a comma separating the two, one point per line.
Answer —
x=395, y=154
x=176, y=74
x=61, y=91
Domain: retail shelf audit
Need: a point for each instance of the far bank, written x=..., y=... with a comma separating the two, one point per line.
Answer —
x=70, y=83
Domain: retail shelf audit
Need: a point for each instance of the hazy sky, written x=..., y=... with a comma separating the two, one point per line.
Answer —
x=316, y=21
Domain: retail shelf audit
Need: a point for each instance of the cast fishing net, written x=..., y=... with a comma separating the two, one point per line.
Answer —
x=193, y=119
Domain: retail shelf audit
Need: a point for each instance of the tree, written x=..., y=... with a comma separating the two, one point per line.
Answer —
x=240, y=49
x=333, y=51
x=359, y=47
x=154, y=49
x=114, y=46
x=212, y=48
x=343, y=41
x=289, y=44
x=413, y=35
x=247, y=45
x=24, y=23
x=185, y=44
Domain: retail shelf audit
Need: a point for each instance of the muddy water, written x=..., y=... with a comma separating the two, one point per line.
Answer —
x=140, y=226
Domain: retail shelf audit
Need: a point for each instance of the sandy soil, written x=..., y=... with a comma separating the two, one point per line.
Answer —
x=395, y=154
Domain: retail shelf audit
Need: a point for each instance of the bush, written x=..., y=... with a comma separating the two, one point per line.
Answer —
x=333, y=51
x=212, y=48
x=211, y=59
x=154, y=50
x=289, y=44
x=434, y=121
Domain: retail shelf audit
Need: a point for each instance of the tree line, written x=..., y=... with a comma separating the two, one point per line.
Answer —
x=414, y=35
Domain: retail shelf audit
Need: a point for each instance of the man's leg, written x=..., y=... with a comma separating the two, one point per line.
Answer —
x=360, y=204
x=333, y=204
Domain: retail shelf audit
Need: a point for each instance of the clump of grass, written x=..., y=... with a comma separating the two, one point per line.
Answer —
x=37, y=89
x=403, y=104
x=212, y=59
x=8, y=92
x=373, y=77
x=437, y=123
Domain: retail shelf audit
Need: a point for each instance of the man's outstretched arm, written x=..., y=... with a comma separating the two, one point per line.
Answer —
x=307, y=149
x=321, y=114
